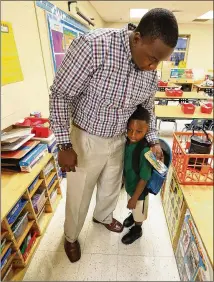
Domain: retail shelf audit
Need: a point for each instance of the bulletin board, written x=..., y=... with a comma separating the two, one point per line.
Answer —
x=62, y=30
x=10, y=65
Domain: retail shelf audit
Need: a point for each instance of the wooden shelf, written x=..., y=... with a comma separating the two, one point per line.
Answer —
x=55, y=204
x=4, y=234
x=5, y=268
x=50, y=177
x=52, y=187
x=7, y=246
x=27, y=229
x=15, y=184
x=36, y=187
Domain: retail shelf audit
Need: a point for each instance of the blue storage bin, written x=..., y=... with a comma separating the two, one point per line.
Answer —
x=155, y=182
x=5, y=257
x=30, y=188
x=14, y=213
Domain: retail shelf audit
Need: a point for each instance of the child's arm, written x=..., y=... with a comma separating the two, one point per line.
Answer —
x=138, y=191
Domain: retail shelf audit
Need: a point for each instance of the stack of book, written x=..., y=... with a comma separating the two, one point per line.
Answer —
x=19, y=152
x=52, y=148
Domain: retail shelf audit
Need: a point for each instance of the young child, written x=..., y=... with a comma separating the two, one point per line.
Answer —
x=135, y=184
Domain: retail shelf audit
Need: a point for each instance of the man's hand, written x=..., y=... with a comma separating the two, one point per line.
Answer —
x=157, y=151
x=67, y=160
x=132, y=204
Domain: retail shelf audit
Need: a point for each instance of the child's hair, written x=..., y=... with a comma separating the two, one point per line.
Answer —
x=140, y=114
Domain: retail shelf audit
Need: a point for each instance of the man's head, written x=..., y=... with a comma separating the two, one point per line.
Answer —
x=138, y=125
x=154, y=39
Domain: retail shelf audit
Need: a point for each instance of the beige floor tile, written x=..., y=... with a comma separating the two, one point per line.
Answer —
x=100, y=240
x=98, y=267
x=135, y=268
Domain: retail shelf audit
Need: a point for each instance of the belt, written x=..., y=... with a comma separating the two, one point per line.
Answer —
x=76, y=125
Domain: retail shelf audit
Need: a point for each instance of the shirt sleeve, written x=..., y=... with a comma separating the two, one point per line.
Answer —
x=145, y=166
x=73, y=75
x=150, y=106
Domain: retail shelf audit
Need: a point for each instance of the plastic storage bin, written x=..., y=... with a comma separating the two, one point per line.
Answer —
x=38, y=201
x=31, y=187
x=53, y=196
x=13, y=214
x=30, y=245
x=52, y=181
x=5, y=258
x=20, y=225
x=38, y=126
x=207, y=108
x=188, y=108
x=174, y=92
x=189, y=174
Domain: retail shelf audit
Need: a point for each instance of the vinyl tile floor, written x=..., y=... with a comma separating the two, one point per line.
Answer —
x=104, y=257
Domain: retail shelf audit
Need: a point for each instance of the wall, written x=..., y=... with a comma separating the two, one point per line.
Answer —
x=31, y=36
x=85, y=7
x=200, y=53
x=19, y=99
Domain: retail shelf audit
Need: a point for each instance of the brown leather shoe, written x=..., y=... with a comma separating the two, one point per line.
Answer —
x=115, y=226
x=72, y=250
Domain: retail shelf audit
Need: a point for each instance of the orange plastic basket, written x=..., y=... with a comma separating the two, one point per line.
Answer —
x=198, y=170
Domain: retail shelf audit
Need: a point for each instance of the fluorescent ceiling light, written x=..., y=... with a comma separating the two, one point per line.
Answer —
x=137, y=13
x=206, y=16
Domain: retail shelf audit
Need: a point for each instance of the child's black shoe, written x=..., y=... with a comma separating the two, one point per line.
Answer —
x=134, y=233
x=129, y=221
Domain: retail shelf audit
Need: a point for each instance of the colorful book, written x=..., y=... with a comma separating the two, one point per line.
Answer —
x=158, y=165
x=21, y=152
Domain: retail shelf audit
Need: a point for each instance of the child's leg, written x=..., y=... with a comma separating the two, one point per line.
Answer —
x=139, y=215
x=129, y=221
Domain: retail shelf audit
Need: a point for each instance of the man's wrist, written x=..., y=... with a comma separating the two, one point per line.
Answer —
x=154, y=142
x=64, y=147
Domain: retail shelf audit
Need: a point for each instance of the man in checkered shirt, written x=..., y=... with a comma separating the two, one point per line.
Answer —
x=104, y=76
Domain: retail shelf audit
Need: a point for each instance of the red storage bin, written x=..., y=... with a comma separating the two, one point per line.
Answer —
x=207, y=108
x=169, y=93
x=188, y=108
x=37, y=125
x=174, y=92
x=178, y=92
x=190, y=173
x=162, y=83
x=30, y=245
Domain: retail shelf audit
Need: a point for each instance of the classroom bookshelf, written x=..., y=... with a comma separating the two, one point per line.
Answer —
x=28, y=203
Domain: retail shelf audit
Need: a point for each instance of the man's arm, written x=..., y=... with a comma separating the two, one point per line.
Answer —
x=150, y=106
x=151, y=136
x=74, y=73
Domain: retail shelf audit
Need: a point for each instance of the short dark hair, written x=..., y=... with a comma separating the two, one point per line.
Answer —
x=160, y=24
x=140, y=114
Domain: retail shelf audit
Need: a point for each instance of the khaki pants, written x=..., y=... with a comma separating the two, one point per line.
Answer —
x=100, y=161
x=140, y=212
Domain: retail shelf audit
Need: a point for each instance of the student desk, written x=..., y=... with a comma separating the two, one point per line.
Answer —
x=186, y=95
x=201, y=87
x=175, y=112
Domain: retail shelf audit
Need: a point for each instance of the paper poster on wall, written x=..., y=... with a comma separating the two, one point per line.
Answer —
x=10, y=65
x=61, y=35
x=192, y=260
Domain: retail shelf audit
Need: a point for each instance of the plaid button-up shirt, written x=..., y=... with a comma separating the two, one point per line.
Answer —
x=99, y=86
